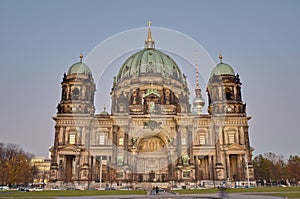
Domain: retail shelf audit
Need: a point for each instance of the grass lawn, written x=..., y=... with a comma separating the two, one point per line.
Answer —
x=290, y=192
x=36, y=195
x=31, y=198
x=239, y=190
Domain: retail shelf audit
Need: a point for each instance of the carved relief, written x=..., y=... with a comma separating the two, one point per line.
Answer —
x=151, y=144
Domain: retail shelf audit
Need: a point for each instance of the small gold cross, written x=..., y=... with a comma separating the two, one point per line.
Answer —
x=149, y=23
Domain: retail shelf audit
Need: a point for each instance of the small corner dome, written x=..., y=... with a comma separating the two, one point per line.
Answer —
x=104, y=112
x=222, y=69
x=79, y=68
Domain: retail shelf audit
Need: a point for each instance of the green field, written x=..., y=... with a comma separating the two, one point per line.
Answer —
x=290, y=192
x=53, y=193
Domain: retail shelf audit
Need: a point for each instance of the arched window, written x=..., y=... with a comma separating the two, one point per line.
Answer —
x=229, y=93
x=75, y=94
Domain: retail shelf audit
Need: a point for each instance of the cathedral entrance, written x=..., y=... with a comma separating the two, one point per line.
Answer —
x=152, y=159
x=69, y=168
x=234, y=174
x=152, y=176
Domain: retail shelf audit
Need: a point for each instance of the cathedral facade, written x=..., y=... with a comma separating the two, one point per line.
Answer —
x=153, y=133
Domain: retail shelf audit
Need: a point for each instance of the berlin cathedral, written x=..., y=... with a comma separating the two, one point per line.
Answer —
x=152, y=133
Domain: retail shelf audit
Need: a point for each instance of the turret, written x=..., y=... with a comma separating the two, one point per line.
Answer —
x=224, y=91
x=78, y=89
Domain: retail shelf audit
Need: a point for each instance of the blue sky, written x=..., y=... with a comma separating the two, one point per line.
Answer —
x=40, y=40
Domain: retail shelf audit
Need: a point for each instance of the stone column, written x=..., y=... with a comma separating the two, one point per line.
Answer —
x=210, y=136
x=56, y=142
x=79, y=137
x=83, y=135
x=115, y=144
x=64, y=135
x=239, y=167
x=126, y=143
x=171, y=165
x=54, y=165
x=227, y=165
x=190, y=143
x=197, y=170
x=218, y=132
x=206, y=168
x=226, y=138
x=242, y=136
x=221, y=136
x=94, y=169
x=134, y=164
x=179, y=146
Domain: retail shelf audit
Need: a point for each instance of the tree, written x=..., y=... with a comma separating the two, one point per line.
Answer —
x=262, y=167
x=293, y=169
x=15, y=165
x=270, y=167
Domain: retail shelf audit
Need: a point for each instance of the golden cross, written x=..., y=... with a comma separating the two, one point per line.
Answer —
x=149, y=23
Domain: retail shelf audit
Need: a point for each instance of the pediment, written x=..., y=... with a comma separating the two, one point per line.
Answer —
x=152, y=95
x=70, y=148
x=236, y=147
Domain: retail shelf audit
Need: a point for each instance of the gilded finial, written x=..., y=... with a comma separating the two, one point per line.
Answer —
x=149, y=38
x=220, y=57
x=81, y=56
x=149, y=43
x=149, y=24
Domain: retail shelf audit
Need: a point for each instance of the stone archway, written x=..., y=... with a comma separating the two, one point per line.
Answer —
x=152, y=159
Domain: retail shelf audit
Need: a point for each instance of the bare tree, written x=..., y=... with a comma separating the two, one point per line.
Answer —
x=15, y=165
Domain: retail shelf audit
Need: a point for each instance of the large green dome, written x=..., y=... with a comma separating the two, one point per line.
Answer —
x=149, y=62
x=79, y=68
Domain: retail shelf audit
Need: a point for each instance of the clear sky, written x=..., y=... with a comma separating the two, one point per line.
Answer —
x=40, y=40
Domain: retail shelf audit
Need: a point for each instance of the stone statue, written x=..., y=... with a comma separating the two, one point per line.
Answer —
x=151, y=107
x=185, y=159
x=133, y=140
x=170, y=140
